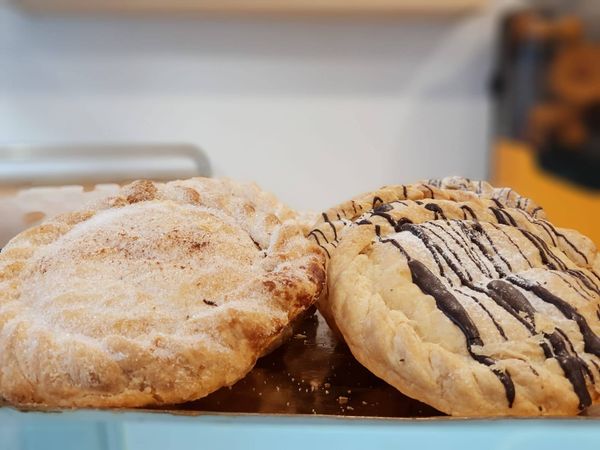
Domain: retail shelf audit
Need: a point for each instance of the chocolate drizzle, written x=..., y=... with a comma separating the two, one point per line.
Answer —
x=553, y=233
x=548, y=258
x=430, y=190
x=503, y=217
x=437, y=211
x=487, y=311
x=475, y=234
x=326, y=219
x=317, y=231
x=515, y=303
x=582, y=292
x=386, y=216
x=468, y=209
x=313, y=233
x=474, y=271
x=497, y=202
x=572, y=367
x=382, y=211
x=461, y=240
x=567, y=241
x=575, y=369
x=436, y=251
x=584, y=279
x=514, y=244
x=445, y=301
x=504, y=293
x=376, y=200
x=451, y=307
x=591, y=341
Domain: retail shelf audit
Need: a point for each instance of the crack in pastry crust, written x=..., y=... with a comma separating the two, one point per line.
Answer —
x=161, y=294
x=467, y=300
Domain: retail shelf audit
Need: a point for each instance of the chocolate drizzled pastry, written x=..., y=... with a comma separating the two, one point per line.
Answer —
x=465, y=297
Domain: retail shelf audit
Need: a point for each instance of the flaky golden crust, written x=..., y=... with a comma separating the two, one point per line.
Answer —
x=159, y=295
x=473, y=304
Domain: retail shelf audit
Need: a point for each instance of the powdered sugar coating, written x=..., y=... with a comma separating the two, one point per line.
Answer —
x=161, y=294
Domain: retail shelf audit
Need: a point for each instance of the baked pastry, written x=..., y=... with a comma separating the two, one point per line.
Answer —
x=464, y=297
x=161, y=294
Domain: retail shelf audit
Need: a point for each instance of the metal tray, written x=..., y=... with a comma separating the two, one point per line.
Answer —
x=309, y=394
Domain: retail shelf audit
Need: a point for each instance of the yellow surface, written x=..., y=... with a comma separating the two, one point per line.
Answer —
x=565, y=204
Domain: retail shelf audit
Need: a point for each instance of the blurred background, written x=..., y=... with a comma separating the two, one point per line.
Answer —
x=314, y=100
